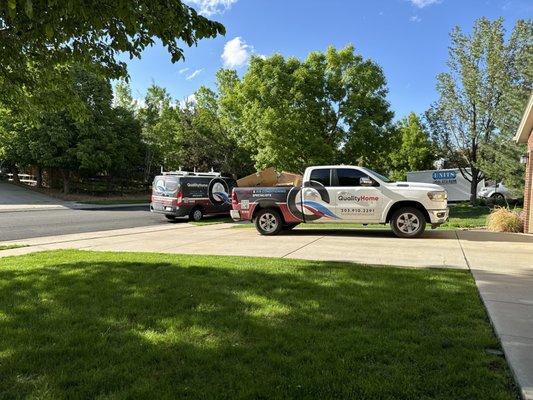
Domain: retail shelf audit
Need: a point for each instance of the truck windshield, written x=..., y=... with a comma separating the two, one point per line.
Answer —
x=379, y=176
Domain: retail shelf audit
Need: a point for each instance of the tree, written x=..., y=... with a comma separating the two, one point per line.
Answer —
x=122, y=96
x=207, y=143
x=290, y=113
x=413, y=150
x=39, y=36
x=500, y=161
x=104, y=140
x=154, y=116
x=489, y=79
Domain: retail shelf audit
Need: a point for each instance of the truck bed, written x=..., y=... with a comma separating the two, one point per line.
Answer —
x=246, y=199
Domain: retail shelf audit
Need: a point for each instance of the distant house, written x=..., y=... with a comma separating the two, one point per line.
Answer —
x=524, y=135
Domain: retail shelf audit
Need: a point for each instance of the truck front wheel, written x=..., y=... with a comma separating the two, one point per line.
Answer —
x=408, y=222
x=268, y=222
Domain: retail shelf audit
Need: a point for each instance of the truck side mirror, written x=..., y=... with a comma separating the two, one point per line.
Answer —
x=366, y=181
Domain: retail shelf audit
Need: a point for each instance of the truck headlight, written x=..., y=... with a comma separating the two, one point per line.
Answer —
x=438, y=196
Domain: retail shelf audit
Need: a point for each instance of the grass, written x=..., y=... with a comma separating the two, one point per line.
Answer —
x=116, y=201
x=77, y=324
x=11, y=246
x=462, y=216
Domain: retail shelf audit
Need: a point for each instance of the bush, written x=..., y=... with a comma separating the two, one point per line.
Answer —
x=504, y=220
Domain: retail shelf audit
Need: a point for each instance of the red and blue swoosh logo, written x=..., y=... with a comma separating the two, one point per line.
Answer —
x=318, y=209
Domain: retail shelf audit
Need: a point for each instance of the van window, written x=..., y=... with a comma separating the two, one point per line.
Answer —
x=165, y=185
x=322, y=176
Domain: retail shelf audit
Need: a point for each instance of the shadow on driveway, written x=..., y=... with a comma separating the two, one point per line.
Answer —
x=476, y=236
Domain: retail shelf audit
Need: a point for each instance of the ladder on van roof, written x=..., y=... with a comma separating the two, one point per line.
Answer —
x=180, y=172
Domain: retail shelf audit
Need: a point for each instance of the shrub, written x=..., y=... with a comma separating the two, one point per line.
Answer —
x=504, y=220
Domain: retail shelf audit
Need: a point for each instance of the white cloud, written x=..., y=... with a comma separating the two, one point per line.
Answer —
x=194, y=74
x=236, y=53
x=183, y=70
x=415, y=18
x=423, y=3
x=188, y=101
x=211, y=7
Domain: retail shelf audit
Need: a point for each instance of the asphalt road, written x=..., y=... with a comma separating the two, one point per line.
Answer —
x=28, y=224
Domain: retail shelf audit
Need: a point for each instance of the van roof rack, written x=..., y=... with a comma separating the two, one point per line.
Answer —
x=181, y=172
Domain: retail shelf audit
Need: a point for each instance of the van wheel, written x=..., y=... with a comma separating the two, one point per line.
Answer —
x=170, y=217
x=268, y=222
x=408, y=222
x=196, y=214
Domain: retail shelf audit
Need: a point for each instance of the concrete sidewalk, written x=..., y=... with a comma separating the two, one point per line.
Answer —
x=362, y=246
x=502, y=264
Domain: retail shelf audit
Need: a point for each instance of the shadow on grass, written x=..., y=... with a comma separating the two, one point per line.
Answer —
x=84, y=325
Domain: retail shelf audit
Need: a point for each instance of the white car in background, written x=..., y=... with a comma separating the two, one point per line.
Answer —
x=497, y=191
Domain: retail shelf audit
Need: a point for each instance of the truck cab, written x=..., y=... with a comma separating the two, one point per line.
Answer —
x=346, y=194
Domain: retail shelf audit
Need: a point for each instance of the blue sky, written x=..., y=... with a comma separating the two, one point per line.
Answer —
x=407, y=38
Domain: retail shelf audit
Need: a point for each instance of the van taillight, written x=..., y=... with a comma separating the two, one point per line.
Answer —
x=234, y=200
x=179, y=198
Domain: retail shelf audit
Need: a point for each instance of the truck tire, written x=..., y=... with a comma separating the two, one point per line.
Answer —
x=196, y=214
x=408, y=222
x=268, y=222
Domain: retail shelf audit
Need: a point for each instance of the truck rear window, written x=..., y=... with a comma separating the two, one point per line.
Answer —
x=322, y=176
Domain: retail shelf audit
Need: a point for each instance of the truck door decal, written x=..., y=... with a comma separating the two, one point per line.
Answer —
x=296, y=205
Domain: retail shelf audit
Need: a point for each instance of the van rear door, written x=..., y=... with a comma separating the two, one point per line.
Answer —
x=164, y=192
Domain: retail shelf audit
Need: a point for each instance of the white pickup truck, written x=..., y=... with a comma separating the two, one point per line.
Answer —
x=343, y=194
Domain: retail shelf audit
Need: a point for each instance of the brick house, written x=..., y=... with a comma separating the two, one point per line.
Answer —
x=524, y=135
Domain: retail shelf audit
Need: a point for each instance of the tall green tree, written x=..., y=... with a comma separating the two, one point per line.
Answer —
x=155, y=116
x=105, y=140
x=38, y=36
x=290, y=113
x=413, y=151
x=489, y=79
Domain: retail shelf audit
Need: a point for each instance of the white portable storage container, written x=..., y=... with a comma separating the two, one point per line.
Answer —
x=457, y=186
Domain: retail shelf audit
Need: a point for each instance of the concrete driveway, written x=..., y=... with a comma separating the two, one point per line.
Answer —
x=17, y=198
x=502, y=264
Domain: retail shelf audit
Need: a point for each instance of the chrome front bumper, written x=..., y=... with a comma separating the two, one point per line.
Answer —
x=438, y=217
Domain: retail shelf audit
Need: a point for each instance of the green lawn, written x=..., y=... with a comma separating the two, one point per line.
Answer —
x=463, y=215
x=11, y=246
x=83, y=325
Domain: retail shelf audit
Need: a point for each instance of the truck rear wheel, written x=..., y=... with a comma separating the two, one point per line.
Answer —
x=408, y=222
x=268, y=222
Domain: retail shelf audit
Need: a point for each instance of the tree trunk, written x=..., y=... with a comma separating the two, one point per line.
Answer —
x=15, y=172
x=148, y=164
x=39, y=177
x=473, y=186
x=66, y=181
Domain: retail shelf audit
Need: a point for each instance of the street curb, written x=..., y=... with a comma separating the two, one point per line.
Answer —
x=79, y=206
x=76, y=206
x=12, y=210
